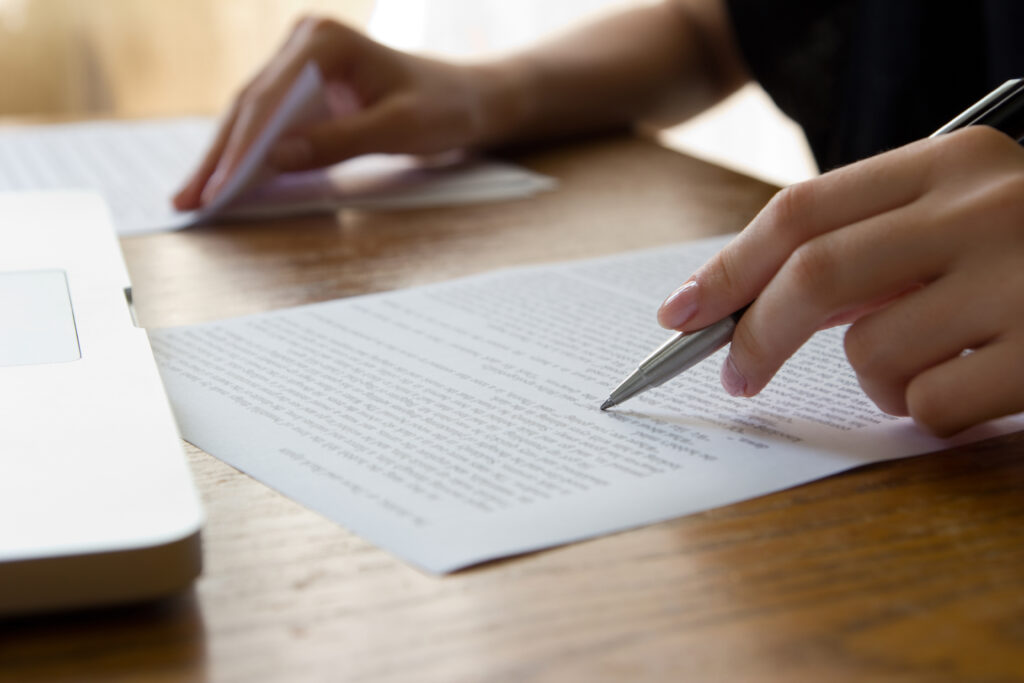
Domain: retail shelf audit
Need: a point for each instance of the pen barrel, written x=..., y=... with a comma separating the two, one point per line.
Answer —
x=1002, y=109
x=679, y=353
x=683, y=351
x=1009, y=121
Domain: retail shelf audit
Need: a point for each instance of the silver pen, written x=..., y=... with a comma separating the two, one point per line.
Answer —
x=678, y=354
x=1002, y=109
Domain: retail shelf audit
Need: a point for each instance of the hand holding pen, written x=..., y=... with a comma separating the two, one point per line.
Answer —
x=920, y=248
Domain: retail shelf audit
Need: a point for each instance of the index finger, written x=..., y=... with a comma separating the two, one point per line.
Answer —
x=257, y=103
x=254, y=113
x=188, y=196
x=736, y=275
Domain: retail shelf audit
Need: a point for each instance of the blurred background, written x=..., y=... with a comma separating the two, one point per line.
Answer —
x=63, y=59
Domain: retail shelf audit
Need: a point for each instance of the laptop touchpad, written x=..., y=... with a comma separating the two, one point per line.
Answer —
x=37, y=324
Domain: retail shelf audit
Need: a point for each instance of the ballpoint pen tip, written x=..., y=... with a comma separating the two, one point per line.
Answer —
x=607, y=404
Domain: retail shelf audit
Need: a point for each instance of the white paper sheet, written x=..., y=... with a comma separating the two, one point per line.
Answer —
x=457, y=423
x=138, y=165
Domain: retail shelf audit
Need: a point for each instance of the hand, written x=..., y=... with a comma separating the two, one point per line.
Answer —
x=405, y=104
x=921, y=248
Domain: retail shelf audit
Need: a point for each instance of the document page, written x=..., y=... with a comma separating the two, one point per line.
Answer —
x=459, y=422
x=138, y=166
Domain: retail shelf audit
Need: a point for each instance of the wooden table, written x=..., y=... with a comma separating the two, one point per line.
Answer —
x=903, y=571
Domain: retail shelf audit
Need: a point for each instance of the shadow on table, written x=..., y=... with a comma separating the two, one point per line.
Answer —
x=151, y=641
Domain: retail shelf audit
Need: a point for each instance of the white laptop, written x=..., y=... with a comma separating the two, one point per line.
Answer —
x=97, y=505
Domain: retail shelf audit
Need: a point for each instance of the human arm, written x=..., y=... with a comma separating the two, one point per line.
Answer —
x=665, y=60
x=921, y=248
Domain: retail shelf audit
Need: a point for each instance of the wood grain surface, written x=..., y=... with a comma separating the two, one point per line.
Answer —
x=903, y=571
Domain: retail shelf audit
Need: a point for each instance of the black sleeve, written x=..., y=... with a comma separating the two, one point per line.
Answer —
x=863, y=76
x=797, y=51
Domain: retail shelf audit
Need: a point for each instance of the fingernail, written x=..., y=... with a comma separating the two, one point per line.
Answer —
x=679, y=307
x=291, y=153
x=732, y=380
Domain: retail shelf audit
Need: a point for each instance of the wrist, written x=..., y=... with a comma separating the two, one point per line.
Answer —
x=502, y=103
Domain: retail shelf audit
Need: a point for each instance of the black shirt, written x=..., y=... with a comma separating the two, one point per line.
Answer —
x=863, y=76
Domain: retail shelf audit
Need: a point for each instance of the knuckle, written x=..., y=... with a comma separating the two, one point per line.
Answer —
x=1004, y=197
x=727, y=273
x=992, y=208
x=931, y=409
x=973, y=143
x=863, y=351
x=314, y=24
x=315, y=34
x=813, y=268
x=1012, y=187
x=788, y=208
x=981, y=138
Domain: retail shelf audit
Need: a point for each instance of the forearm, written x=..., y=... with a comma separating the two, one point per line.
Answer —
x=677, y=56
x=664, y=61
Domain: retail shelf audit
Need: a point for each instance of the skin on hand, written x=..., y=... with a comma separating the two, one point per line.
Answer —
x=588, y=79
x=403, y=104
x=921, y=248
